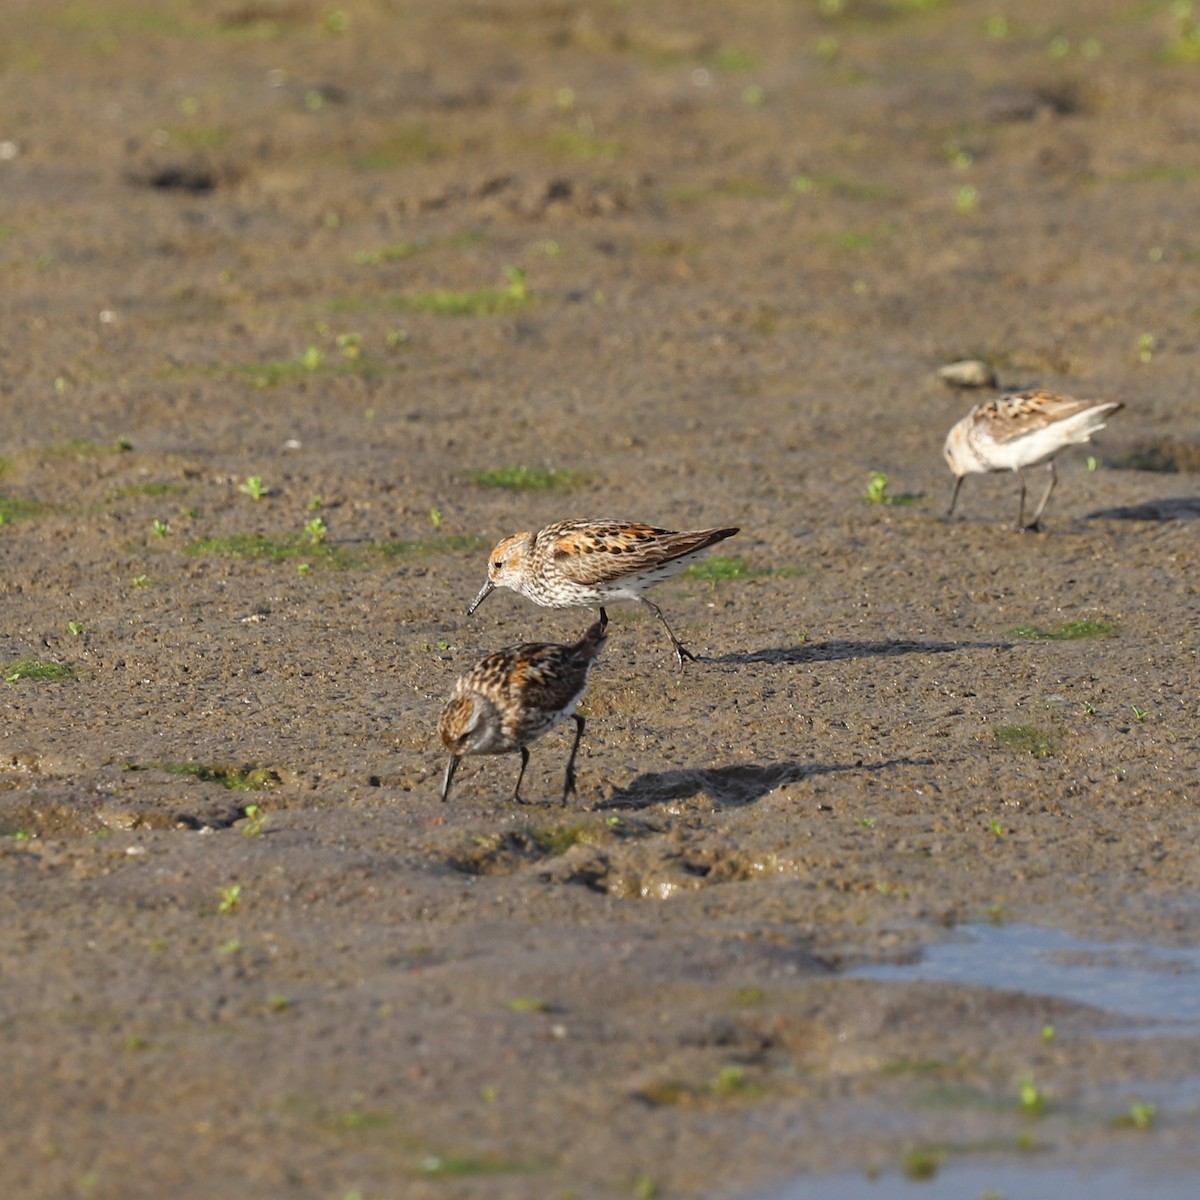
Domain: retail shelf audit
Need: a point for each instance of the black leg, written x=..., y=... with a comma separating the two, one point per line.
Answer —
x=954, y=498
x=521, y=775
x=603, y=619
x=1021, y=507
x=1041, y=508
x=569, y=783
x=681, y=652
x=451, y=767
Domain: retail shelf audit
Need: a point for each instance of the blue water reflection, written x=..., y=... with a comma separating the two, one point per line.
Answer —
x=1134, y=980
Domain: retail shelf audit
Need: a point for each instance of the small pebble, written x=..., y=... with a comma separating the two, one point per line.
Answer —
x=970, y=372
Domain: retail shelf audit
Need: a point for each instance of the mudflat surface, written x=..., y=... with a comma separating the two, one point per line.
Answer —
x=702, y=261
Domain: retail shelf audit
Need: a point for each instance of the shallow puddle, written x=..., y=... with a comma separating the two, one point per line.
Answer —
x=1156, y=983
x=1159, y=986
x=1002, y=1181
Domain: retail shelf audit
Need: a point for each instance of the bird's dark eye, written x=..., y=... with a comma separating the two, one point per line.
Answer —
x=497, y=565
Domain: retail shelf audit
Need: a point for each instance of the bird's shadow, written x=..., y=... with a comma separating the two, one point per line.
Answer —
x=1169, y=508
x=733, y=786
x=837, y=649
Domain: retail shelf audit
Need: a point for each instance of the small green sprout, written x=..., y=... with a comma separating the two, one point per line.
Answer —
x=957, y=155
x=748, y=996
x=312, y=358
x=966, y=200
x=1093, y=463
x=315, y=531
x=231, y=897
x=140, y=581
x=867, y=822
x=303, y=569
x=528, y=1004
x=1032, y=1099
x=922, y=1162
x=1048, y=1034
x=350, y=344
x=1145, y=347
x=645, y=1187
x=435, y=518
x=528, y=479
x=489, y=1093
x=731, y=1081
x=74, y=628
x=256, y=821
x=30, y=668
x=1141, y=1115
x=1025, y=739
x=718, y=568
x=315, y=504
x=877, y=491
x=1139, y=714
x=517, y=289
x=230, y=947
x=278, y=1003
x=161, y=528
x=1069, y=631
x=253, y=487
x=997, y=828
x=477, y=302
x=828, y=47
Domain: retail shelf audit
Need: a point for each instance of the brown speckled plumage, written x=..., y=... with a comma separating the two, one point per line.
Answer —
x=580, y=564
x=510, y=698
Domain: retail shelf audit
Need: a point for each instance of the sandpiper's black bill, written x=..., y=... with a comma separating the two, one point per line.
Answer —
x=484, y=592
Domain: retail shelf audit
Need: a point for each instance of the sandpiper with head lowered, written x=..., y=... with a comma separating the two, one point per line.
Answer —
x=1022, y=430
x=580, y=564
x=510, y=698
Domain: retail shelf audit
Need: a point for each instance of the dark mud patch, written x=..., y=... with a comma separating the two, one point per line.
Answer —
x=59, y=811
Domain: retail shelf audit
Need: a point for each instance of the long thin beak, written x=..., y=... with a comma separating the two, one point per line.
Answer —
x=483, y=595
x=451, y=767
x=949, y=511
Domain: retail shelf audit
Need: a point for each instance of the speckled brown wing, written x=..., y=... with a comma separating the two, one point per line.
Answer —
x=594, y=552
x=1011, y=417
x=543, y=679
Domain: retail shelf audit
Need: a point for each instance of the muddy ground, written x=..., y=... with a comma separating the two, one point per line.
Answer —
x=278, y=241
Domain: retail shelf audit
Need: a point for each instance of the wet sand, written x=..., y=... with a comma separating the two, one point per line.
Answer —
x=690, y=264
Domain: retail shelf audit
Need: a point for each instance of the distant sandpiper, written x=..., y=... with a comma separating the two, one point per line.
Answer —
x=1022, y=430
